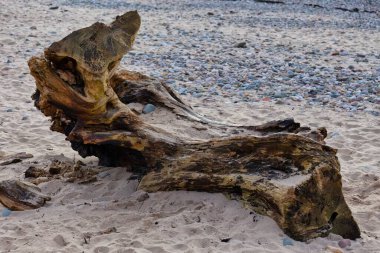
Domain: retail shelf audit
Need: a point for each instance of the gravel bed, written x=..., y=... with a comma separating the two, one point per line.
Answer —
x=251, y=51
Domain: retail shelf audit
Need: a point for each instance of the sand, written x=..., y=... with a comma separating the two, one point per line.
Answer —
x=110, y=215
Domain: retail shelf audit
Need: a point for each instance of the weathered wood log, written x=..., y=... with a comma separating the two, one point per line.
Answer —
x=20, y=196
x=279, y=169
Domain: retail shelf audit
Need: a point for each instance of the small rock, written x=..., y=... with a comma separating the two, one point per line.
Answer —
x=291, y=74
x=60, y=240
x=297, y=97
x=266, y=99
x=227, y=87
x=375, y=113
x=287, y=241
x=140, y=196
x=279, y=94
x=210, y=13
x=225, y=239
x=344, y=243
x=33, y=28
x=241, y=45
x=342, y=78
x=6, y=212
x=182, y=91
x=280, y=102
x=148, y=108
x=144, y=196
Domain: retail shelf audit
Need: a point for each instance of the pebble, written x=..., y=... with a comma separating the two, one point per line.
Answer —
x=279, y=94
x=297, y=97
x=287, y=241
x=140, y=196
x=241, y=45
x=148, y=108
x=6, y=212
x=344, y=243
x=266, y=99
x=58, y=239
x=182, y=91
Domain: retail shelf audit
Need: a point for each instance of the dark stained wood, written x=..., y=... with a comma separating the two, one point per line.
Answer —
x=19, y=196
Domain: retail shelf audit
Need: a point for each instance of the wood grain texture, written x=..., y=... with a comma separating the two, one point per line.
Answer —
x=280, y=169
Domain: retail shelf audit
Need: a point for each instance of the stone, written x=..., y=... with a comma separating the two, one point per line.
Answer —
x=182, y=91
x=241, y=45
x=6, y=212
x=344, y=243
x=140, y=195
x=291, y=74
x=58, y=239
x=148, y=108
x=279, y=94
x=287, y=241
x=225, y=240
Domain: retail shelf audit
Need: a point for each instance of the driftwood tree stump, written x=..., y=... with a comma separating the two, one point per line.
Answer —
x=279, y=169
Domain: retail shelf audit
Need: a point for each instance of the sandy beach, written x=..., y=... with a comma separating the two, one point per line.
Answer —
x=318, y=65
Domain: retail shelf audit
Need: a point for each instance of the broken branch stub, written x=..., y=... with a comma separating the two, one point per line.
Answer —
x=279, y=169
